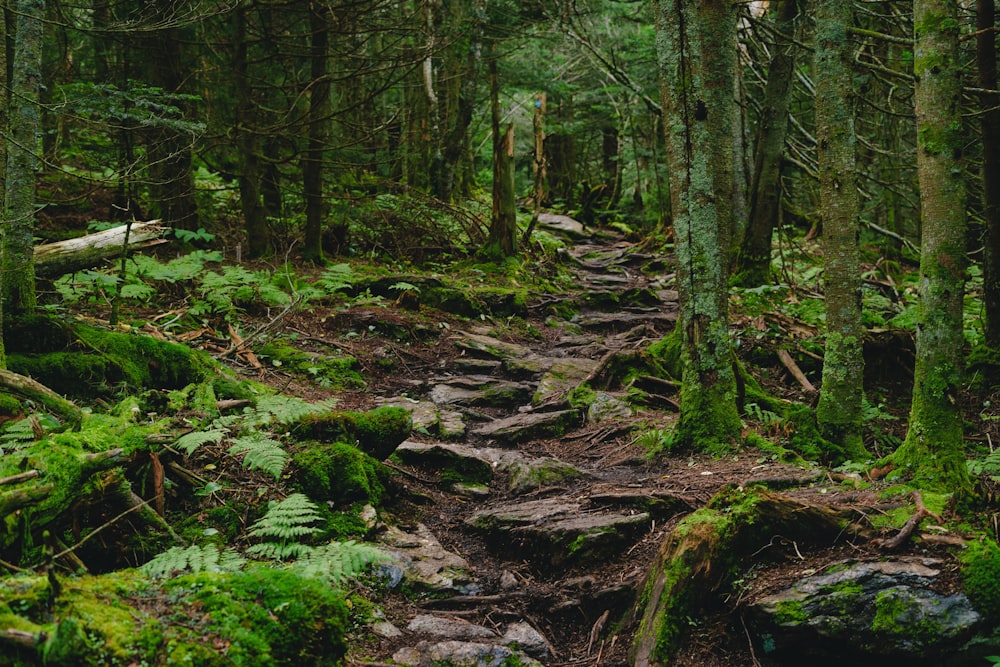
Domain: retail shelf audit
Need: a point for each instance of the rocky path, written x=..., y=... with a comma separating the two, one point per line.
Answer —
x=536, y=519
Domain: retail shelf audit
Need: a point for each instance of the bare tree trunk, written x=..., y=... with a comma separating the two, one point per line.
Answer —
x=754, y=260
x=986, y=55
x=840, y=399
x=502, y=240
x=318, y=121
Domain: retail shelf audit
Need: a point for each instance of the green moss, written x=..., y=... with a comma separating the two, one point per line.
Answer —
x=981, y=577
x=790, y=612
x=264, y=616
x=377, y=432
x=336, y=371
x=339, y=473
x=581, y=396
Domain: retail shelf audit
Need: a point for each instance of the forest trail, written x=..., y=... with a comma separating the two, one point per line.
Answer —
x=532, y=522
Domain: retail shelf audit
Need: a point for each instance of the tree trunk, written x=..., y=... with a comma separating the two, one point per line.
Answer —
x=502, y=241
x=250, y=179
x=170, y=152
x=754, y=260
x=318, y=122
x=4, y=117
x=22, y=160
x=989, y=119
x=933, y=449
x=839, y=410
x=696, y=52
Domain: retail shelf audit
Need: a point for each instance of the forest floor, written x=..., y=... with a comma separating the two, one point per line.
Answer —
x=567, y=601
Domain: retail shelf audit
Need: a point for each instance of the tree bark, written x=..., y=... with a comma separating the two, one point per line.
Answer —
x=250, y=172
x=986, y=57
x=933, y=449
x=838, y=412
x=502, y=241
x=318, y=129
x=696, y=52
x=22, y=160
x=754, y=259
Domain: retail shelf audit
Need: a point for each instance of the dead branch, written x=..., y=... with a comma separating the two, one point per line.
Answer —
x=36, y=391
x=55, y=259
x=793, y=368
x=20, y=477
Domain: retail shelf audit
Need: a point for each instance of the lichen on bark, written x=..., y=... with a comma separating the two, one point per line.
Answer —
x=696, y=52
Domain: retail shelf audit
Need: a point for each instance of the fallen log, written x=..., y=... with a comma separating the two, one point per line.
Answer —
x=29, y=388
x=55, y=259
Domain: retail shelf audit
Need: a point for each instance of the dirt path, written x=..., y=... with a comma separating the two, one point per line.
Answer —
x=523, y=514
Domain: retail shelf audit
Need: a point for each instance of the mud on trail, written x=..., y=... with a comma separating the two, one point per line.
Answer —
x=522, y=516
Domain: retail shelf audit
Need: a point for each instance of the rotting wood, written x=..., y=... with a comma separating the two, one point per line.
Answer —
x=36, y=391
x=55, y=259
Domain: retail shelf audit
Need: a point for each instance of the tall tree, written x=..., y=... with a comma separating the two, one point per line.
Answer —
x=502, y=241
x=318, y=123
x=696, y=52
x=986, y=57
x=840, y=400
x=933, y=449
x=22, y=159
x=754, y=258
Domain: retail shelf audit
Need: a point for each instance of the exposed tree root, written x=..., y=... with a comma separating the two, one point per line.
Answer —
x=900, y=538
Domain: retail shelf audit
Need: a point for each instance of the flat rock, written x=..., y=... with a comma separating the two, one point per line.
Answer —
x=886, y=609
x=558, y=531
x=474, y=464
x=450, y=628
x=424, y=563
x=563, y=376
x=479, y=390
x=527, y=638
x=529, y=425
x=461, y=654
x=430, y=418
x=491, y=347
x=618, y=321
x=606, y=407
x=529, y=474
x=564, y=224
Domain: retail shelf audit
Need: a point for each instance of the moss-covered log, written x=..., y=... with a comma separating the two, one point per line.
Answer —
x=704, y=551
x=377, y=432
x=77, y=359
x=29, y=388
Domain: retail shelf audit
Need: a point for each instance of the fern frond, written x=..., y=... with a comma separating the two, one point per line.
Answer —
x=338, y=561
x=260, y=453
x=287, y=409
x=990, y=465
x=282, y=526
x=189, y=442
x=193, y=559
x=17, y=435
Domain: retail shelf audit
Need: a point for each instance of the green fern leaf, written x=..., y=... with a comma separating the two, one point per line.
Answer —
x=283, y=525
x=287, y=409
x=193, y=559
x=338, y=561
x=189, y=442
x=261, y=453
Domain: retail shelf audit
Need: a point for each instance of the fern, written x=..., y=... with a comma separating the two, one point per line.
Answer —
x=338, y=561
x=189, y=442
x=990, y=465
x=286, y=409
x=260, y=453
x=335, y=278
x=193, y=559
x=283, y=525
x=20, y=434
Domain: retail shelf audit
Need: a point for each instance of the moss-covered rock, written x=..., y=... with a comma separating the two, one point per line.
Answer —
x=337, y=371
x=338, y=473
x=377, y=432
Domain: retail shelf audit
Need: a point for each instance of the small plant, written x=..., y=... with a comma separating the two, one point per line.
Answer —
x=193, y=559
x=283, y=526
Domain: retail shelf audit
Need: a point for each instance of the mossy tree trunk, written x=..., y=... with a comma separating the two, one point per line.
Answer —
x=22, y=160
x=754, y=259
x=839, y=410
x=933, y=449
x=4, y=116
x=696, y=52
